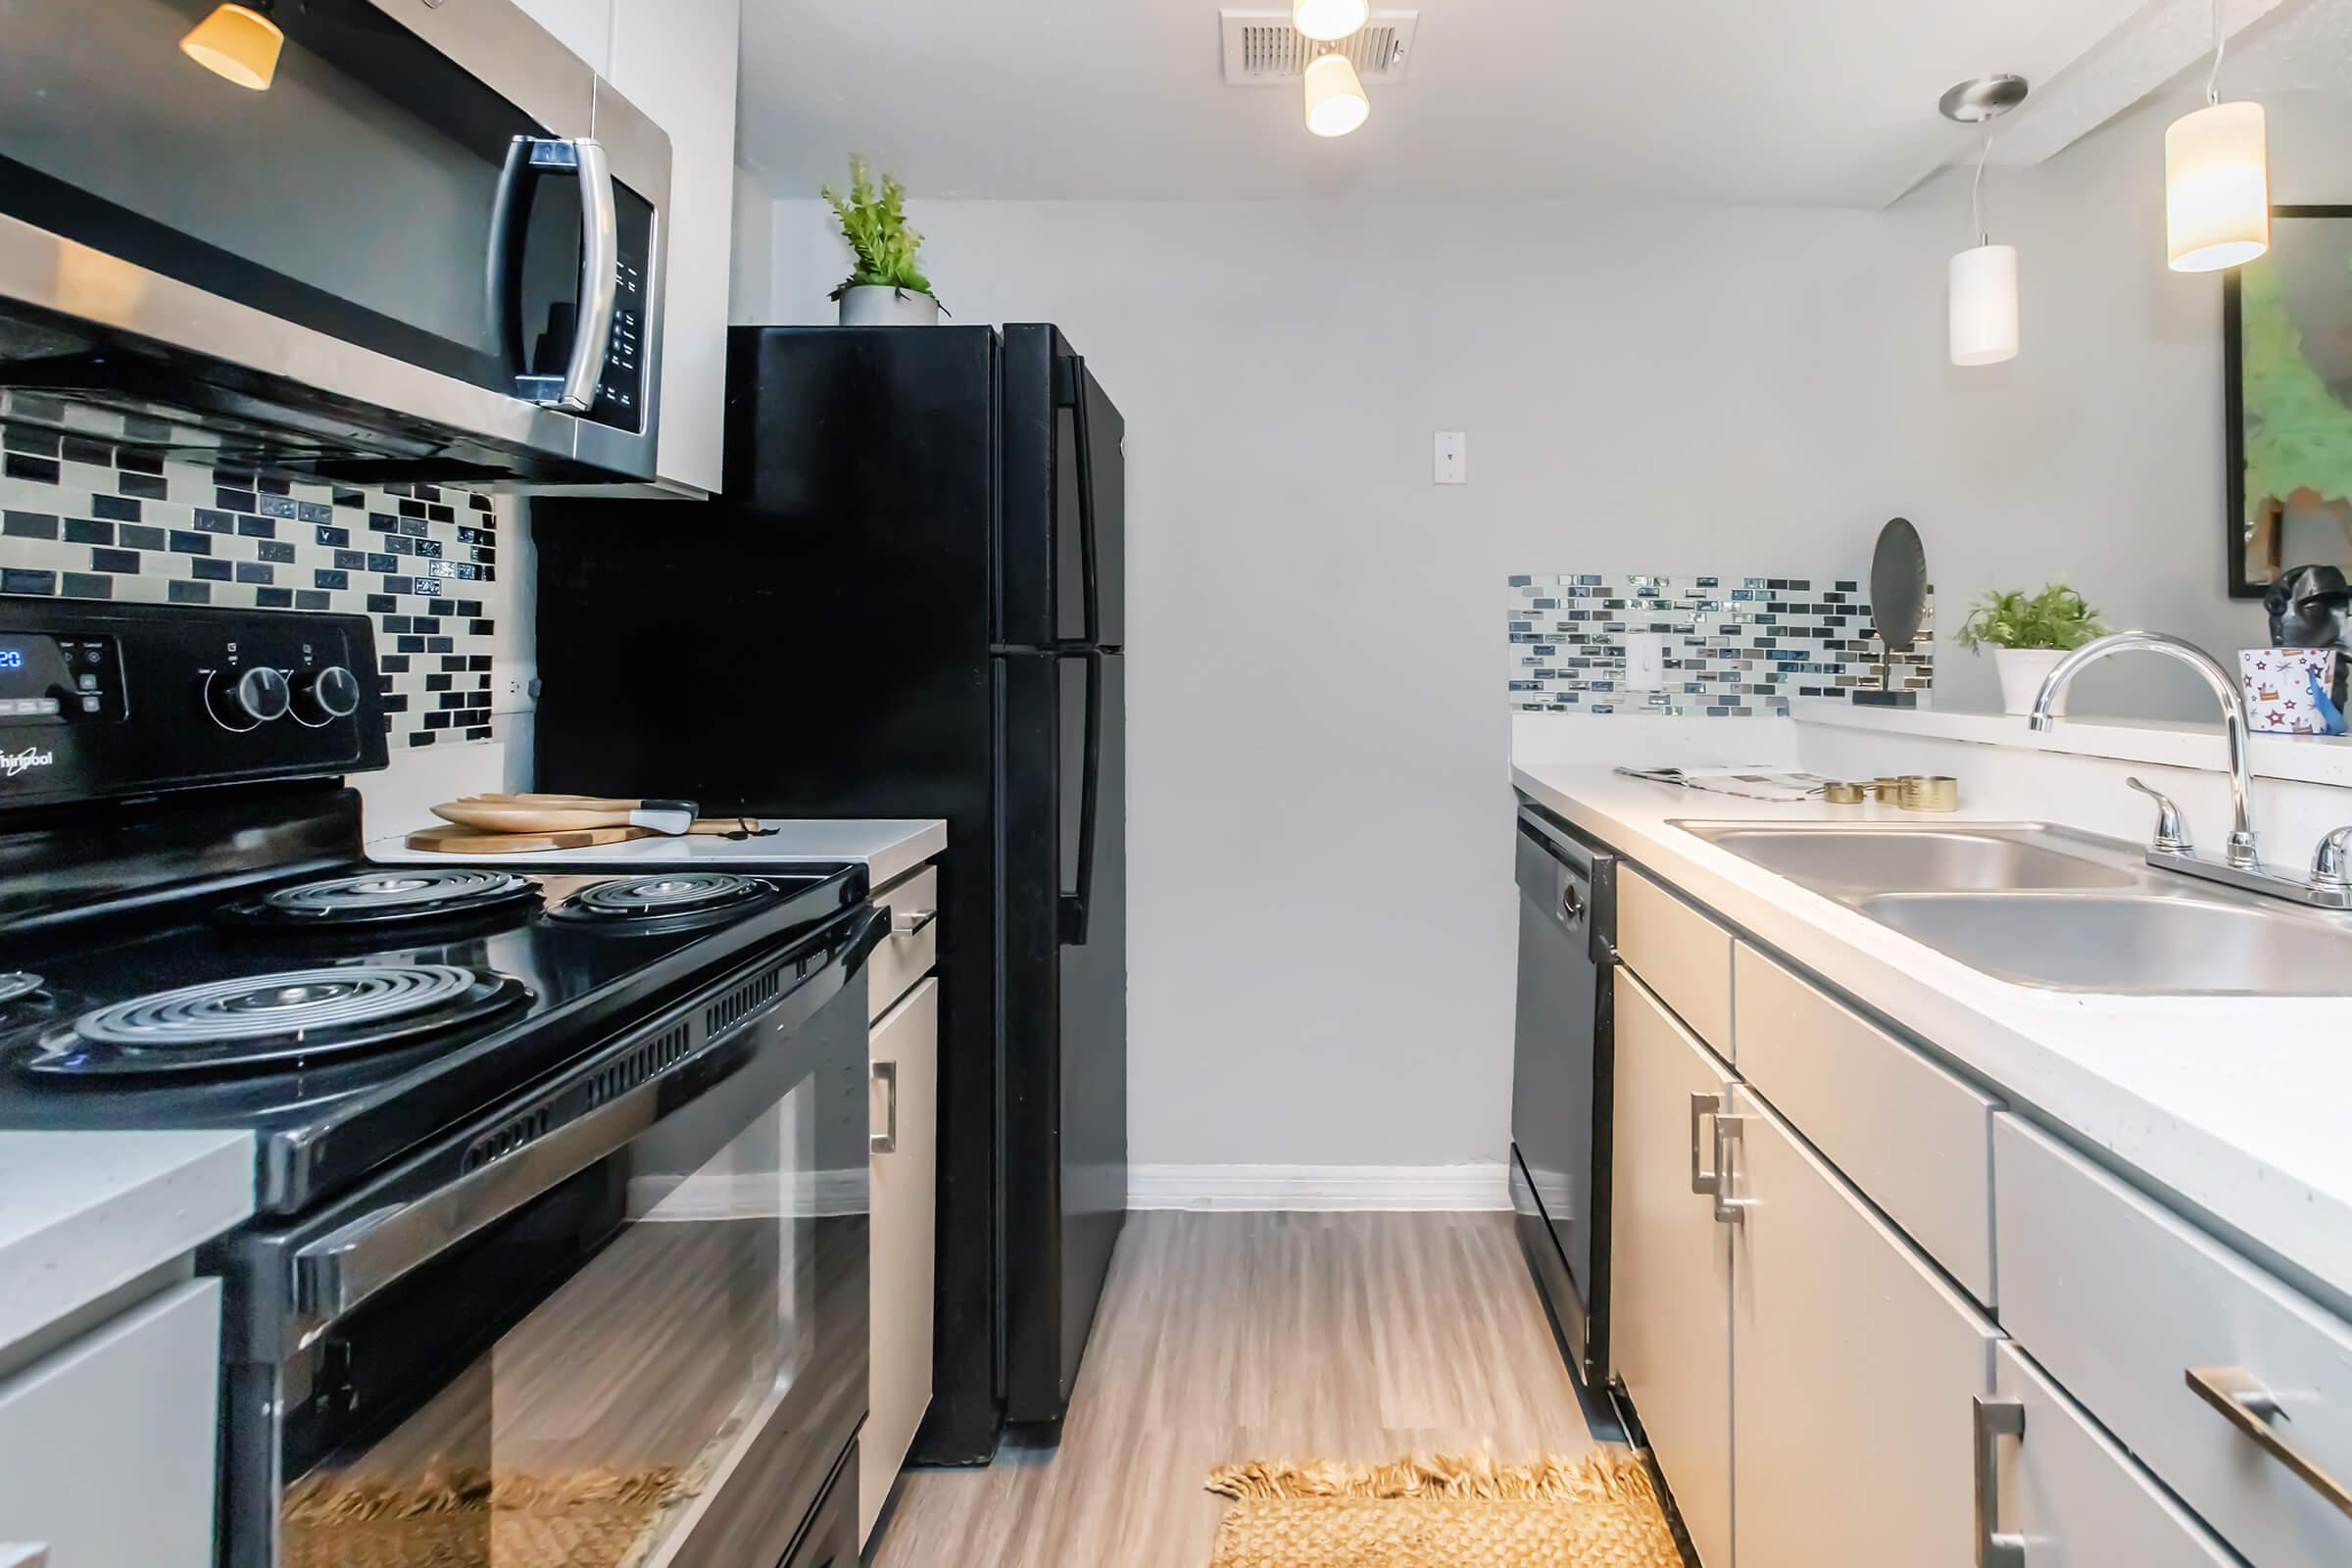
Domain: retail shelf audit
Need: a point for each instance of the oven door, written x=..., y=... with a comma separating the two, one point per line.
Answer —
x=644, y=1348
x=435, y=233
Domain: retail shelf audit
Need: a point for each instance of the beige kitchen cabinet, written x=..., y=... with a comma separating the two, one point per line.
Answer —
x=107, y=1444
x=1670, y=1262
x=1915, y=1137
x=1850, y=1353
x=903, y=1055
x=1681, y=956
x=904, y=1051
x=2128, y=1307
x=2060, y=1494
x=675, y=60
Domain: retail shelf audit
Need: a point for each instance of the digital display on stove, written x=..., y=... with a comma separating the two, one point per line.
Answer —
x=11, y=659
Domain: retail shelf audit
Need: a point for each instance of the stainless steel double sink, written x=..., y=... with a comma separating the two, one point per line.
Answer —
x=2041, y=906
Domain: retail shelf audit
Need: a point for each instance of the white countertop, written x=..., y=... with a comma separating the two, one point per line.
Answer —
x=890, y=847
x=2235, y=1104
x=84, y=1212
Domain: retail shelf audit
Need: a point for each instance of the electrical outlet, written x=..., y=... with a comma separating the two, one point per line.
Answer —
x=1454, y=457
x=1646, y=661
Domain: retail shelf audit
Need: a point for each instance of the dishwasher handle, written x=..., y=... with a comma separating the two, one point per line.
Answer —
x=1573, y=884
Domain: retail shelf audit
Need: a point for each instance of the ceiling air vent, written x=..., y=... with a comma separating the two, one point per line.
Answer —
x=1263, y=50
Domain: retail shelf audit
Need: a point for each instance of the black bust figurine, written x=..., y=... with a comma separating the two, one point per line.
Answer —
x=2308, y=608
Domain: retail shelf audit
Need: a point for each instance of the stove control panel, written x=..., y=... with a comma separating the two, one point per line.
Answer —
x=101, y=699
x=48, y=679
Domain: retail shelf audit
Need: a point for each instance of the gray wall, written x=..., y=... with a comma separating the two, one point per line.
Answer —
x=1322, y=907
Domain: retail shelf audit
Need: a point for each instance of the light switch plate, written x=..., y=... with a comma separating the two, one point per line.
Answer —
x=1646, y=661
x=1454, y=457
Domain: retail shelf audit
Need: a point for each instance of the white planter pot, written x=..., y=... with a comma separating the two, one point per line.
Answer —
x=888, y=307
x=2022, y=671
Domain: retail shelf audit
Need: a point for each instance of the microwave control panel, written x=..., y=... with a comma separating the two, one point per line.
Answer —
x=621, y=393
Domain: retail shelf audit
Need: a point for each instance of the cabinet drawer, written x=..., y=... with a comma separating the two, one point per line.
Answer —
x=2075, y=1498
x=2120, y=1299
x=106, y=1446
x=905, y=957
x=1917, y=1139
x=1679, y=953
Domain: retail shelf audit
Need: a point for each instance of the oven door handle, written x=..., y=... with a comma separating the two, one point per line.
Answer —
x=337, y=1273
x=576, y=390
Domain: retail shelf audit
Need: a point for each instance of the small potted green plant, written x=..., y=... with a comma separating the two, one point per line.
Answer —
x=885, y=287
x=2029, y=634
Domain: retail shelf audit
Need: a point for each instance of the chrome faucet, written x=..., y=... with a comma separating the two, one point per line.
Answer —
x=2243, y=851
x=2330, y=884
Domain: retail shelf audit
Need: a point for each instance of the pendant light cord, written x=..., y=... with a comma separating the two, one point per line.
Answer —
x=1976, y=194
x=2221, y=45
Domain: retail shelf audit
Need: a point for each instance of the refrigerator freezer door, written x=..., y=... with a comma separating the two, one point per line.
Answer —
x=1064, y=574
x=1065, y=996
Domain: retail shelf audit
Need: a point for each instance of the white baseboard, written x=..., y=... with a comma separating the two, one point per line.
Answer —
x=1475, y=1188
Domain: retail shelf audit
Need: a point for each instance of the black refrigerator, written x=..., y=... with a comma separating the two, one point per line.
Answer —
x=909, y=602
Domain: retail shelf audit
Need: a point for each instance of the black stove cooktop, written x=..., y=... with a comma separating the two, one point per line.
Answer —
x=347, y=1014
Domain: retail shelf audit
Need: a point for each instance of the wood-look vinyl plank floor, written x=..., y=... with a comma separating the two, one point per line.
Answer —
x=1225, y=1337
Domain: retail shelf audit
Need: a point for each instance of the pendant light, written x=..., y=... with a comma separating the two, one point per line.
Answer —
x=2217, y=179
x=1334, y=96
x=237, y=43
x=1983, y=324
x=1330, y=21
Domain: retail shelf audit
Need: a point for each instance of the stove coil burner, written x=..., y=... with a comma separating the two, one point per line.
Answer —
x=379, y=897
x=664, y=898
x=17, y=984
x=301, y=1015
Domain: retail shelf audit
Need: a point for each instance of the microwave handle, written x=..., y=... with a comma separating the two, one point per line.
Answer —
x=575, y=391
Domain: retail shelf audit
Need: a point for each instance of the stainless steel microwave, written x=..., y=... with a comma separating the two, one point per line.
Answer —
x=432, y=246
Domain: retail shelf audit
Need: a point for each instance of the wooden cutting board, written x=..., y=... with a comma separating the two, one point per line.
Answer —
x=451, y=839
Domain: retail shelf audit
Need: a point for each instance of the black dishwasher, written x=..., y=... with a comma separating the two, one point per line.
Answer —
x=1561, y=1070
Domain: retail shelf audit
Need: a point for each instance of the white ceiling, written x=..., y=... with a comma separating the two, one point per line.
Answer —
x=1752, y=100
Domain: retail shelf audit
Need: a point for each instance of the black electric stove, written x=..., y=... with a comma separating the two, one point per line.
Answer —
x=506, y=1119
x=348, y=1011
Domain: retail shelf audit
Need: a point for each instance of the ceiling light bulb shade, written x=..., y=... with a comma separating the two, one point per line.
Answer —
x=1329, y=21
x=1984, y=305
x=1335, y=97
x=2217, y=188
x=238, y=43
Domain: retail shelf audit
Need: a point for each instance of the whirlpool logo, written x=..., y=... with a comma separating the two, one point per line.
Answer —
x=13, y=765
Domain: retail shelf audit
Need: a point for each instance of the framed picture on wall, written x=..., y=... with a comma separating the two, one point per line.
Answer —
x=2286, y=350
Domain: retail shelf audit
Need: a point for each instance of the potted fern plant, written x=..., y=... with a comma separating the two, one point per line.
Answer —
x=885, y=287
x=2029, y=634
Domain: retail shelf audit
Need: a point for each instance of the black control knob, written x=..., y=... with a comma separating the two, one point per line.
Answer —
x=322, y=695
x=242, y=698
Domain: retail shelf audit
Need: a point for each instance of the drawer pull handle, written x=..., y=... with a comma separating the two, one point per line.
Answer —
x=886, y=1142
x=1729, y=1210
x=1992, y=1420
x=2249, y=1405
x=911, y=921
x=1703, y=1181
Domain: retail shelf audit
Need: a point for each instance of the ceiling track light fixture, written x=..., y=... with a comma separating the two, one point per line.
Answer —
x=1334, y=96
x=1335, y=103
x=1330, y=21
x=2217, y=179
x=1983, y=325
x=238, y=43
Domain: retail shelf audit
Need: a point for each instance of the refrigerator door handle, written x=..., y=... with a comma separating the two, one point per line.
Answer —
x=1074, y=905
x=1088, y=538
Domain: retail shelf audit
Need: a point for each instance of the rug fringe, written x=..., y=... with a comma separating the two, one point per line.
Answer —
x=1606, y=1475
x=326, y=1499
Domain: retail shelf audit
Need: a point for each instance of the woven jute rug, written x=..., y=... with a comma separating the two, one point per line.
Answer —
x=469, y=1519
x=1443, y=1512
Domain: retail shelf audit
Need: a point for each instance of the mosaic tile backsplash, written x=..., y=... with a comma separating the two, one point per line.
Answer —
x=1737, y=647
x=90, y=519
